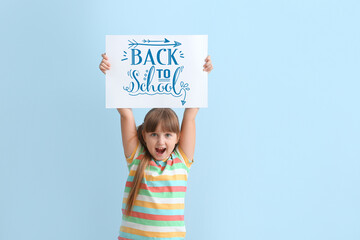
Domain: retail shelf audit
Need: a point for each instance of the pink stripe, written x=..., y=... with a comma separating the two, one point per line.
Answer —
x=159, y=189
x=177, y=160
x=169, y=161
x=165, y=189
x=121, y=238
x=153, y=164
x=156, y=217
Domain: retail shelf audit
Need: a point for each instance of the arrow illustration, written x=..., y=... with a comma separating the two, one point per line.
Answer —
x=149, y=41
x=135, y=44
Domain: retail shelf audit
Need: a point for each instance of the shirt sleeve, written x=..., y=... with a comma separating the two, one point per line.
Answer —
x=184, y=158
x=136, y=153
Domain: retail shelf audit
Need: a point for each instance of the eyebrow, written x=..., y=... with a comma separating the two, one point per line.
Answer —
x=163, y=132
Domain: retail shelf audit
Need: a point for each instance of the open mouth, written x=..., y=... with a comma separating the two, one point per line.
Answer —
x=160, y=150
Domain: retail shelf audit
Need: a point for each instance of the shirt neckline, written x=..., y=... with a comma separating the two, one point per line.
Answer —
x=170, y=157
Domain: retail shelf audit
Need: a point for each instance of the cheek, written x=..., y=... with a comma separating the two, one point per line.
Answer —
x=149, y=143
x=172, y=144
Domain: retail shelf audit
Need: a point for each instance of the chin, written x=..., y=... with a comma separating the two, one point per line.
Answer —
x=161, y=158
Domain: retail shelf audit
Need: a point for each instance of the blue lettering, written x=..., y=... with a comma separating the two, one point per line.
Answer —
x=171, y=56
x=133, y=55
x=175, y=78
x=158, y=56
x=161, y=88
x=143, y=87
x=137, y=59
x=168, y=87
x=148, y=87
x=150, y=77
x=151, y=58
x=159, y=70
x=166, y=73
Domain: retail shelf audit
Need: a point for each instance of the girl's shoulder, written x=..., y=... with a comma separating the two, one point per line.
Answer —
x=138, y=152
x=179, y=153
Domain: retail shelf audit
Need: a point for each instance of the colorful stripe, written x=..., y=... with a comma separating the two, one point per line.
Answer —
x=154, y=234
x=157, y=199
x=157, y=217
x=160, y=194
x=158, y=211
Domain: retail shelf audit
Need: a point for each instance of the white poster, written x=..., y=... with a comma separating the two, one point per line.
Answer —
x=156, y=71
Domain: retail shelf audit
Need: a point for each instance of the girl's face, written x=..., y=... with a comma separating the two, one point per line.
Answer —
x=160, y=143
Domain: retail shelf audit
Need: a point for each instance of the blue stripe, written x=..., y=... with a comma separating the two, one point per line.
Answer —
x=156, y=211
x=138, y=237
x=172, y=183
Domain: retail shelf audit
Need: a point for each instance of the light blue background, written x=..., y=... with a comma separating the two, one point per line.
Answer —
x=277, y=154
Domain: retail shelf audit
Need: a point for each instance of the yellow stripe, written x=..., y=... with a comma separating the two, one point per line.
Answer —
x=162, y=177
x=152, y=234
x=188, y=164
x=157, y=205
x=129, y=159
x=182, y=177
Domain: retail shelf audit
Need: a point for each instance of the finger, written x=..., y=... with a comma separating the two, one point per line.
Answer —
x=106, y=63
x=206, y=69
x=103, y=70
x=209, y=69
x=104, y=56
x=207, y=64
x=103, y=67
x=106, y=66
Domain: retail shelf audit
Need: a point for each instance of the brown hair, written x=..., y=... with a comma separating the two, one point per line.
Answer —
x=169, y=123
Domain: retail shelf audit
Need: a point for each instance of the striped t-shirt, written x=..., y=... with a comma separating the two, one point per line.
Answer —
x=158, y=211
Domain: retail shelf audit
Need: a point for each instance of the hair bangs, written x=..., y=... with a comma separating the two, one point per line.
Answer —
x=165, y=117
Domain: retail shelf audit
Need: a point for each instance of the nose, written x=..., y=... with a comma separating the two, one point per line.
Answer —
x=161, y=140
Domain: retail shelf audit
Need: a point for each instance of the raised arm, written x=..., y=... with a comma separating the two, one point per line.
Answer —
x=128, y=130
x=128, y=126
x=188, y=132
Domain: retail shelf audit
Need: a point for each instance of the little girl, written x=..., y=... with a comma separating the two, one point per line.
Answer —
x=159, y=156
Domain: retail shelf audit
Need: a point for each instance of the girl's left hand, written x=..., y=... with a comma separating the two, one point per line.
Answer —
x=104, y=65
x=208, y=65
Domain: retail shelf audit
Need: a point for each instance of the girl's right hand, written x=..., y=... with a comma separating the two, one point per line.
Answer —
x=104, y=65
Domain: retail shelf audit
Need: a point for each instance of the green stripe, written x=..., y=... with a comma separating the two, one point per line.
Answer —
x=155, y=222
x=134, y=162
x=159, y=194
